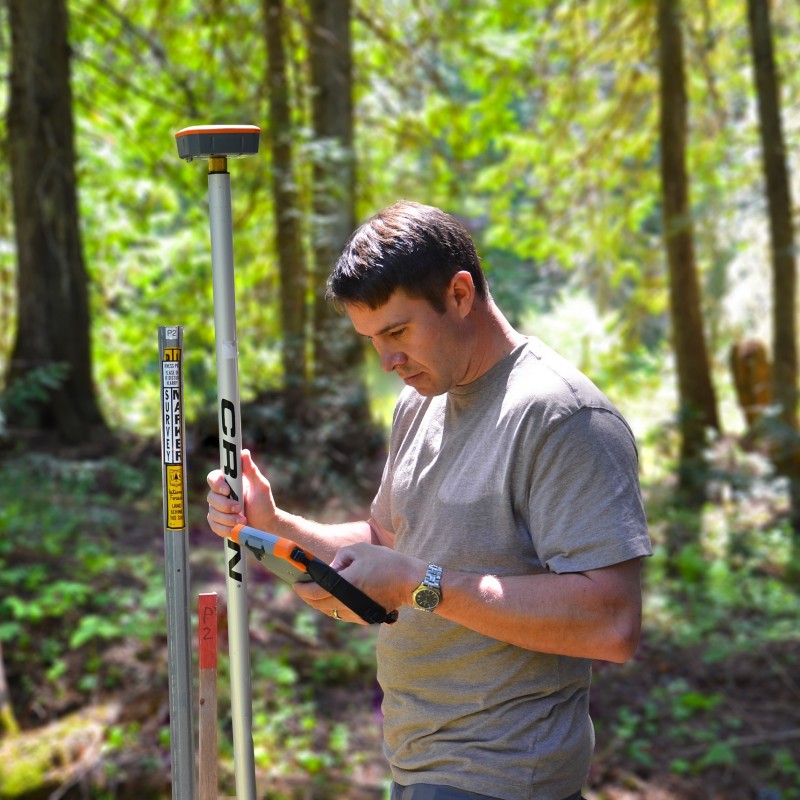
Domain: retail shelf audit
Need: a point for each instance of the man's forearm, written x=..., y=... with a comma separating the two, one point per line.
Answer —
x=321, y=539
x=596, y=614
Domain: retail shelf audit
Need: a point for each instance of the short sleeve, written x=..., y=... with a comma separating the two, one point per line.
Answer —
x=585, y=506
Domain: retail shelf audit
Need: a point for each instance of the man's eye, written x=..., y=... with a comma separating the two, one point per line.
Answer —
x=398, y=332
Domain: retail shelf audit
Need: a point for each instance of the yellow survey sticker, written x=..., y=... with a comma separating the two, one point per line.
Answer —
x=175, y=505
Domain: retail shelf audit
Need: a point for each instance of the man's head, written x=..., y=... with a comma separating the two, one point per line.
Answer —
x=407, y=246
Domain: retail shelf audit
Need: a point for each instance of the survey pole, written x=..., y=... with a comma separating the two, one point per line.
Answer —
x=216, y=144
x=176, y=562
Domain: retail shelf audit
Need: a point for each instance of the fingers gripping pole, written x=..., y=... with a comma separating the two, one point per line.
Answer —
x=217, y=143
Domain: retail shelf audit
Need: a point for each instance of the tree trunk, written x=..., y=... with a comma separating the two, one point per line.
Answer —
x=338, y=354
x=53, y=326
x=779, y=200
x=288, y=230
x=698, y=408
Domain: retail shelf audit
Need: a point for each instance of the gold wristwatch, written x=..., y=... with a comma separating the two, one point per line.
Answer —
x=428, y=594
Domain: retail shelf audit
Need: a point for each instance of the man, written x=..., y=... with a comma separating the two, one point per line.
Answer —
x=508, y=527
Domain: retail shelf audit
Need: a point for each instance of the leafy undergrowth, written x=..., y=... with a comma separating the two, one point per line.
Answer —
x=709, y=708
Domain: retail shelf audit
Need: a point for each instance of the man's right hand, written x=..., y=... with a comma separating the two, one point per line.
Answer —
x=258, y=508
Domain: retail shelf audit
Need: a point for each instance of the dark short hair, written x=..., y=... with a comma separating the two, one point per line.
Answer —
x=406, y=246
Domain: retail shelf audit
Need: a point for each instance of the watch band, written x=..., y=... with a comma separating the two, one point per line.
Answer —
x=433, y=577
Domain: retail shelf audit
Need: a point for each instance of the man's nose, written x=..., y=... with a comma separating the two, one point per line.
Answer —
x=391, y=359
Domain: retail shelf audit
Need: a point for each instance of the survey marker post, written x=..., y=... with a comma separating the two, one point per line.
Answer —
x=216, y=144
x=176, y=562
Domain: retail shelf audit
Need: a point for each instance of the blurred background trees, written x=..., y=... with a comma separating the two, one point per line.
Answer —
x=537, y=124
x=697, y=412
x=52, y=338
x=780, y=212
x=542, y=126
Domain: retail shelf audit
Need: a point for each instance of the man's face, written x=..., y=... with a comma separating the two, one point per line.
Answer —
x=425, y=348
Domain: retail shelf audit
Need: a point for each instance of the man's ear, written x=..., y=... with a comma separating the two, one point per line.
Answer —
x=462, y=292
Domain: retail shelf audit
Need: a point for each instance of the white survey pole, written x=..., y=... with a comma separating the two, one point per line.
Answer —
x=176, y=562
x=217, y=143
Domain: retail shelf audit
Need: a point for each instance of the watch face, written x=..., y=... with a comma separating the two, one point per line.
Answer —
x=426, y=598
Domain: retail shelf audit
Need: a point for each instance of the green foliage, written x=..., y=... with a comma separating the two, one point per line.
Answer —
x=35, y=387
x=720, y=635
x=293, y=736
x=788, y=767
x=145, y=220
x=69, y=582
x=122, y=737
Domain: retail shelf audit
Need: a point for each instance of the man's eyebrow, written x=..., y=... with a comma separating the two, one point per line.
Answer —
x=385, y=329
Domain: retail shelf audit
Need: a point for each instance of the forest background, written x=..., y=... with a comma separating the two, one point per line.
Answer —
x=627, y=170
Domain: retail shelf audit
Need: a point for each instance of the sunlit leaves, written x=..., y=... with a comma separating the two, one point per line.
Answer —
x=141, y=72
x=534, y=122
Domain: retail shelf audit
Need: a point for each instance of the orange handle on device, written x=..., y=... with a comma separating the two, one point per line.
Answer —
x=281, y=547
x=262, y=544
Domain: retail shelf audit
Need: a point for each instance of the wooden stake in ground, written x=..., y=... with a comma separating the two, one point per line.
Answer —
x=207, y=634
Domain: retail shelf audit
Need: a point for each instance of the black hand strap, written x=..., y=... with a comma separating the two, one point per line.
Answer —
x=329, y=579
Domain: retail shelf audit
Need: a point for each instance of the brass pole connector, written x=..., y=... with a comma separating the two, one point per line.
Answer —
x=217, y=164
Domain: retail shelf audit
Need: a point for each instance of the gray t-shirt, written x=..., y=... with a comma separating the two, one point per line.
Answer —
x=527, y=469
